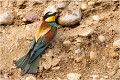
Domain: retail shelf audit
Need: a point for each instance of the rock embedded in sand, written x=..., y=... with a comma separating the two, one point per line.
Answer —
x=80, y=31
x=101, y=38
x=39, y=1
x=116, y=44
x=93, y=55
x=56, y=68
x=31, y=78
x=67, y=43
x=19, y=2
x=86, y=32
x=31, y=17
x=50, y=9
x=55, y=61
x=78, y=40
x=77, y=51
x=70, y=17
x=61, y=5
x=73, y=76
x=96, y=18
x=84, y=6
x=6, y=18
x=91, y=3
x=95, y=77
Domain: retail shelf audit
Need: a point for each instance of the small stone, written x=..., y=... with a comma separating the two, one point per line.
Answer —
x=91, y=3
x=93, y=55
x=24, y=19
x=6, y=18
x=78, y=31
x=73, y=76
x=78, y=51
x=20, y=2
x=114, y=55
x=56, y=68
x=78, y=40
x=101, y=38
x=86, y=32
x=61, y=5
x=70, y=17
x=55, y=61
x=46, y=65
x=96, y=18
x=67, y=44
x=95, y=77
x=106, y=77
x=31, y=78
x=116, y=44
x=50, y=9
x=31, y=17
x=84, y=6
x=27, y=28
x=39, y=1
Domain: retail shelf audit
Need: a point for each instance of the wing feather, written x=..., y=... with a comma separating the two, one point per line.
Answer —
x=42, y=30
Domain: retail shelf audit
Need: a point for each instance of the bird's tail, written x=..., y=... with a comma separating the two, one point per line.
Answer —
x=27, y=67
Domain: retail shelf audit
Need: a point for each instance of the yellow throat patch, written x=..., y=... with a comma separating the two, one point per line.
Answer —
x=50, y=19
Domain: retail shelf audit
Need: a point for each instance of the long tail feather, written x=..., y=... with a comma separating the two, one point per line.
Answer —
x=22, y=61
x=32, y=67
x=27, y=67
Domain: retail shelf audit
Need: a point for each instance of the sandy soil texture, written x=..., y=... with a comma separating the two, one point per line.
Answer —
x=85, y=55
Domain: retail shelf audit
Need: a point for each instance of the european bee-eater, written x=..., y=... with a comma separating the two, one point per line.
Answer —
x=44, y=36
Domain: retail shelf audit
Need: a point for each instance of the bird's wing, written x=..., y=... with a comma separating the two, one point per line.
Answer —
x=44, y=37
x=44, y=42
x=42, y=30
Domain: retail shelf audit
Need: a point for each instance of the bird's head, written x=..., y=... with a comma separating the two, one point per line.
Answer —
x=50, y=17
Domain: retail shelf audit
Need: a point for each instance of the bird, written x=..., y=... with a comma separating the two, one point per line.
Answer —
x=44, y=36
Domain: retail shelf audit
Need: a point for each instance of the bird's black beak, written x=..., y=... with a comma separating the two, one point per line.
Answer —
x=57, y=13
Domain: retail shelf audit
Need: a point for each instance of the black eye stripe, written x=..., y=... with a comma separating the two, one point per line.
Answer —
x=48, y=15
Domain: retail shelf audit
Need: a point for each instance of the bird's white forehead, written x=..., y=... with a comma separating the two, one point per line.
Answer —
x=51, y=9
x=50, y=13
